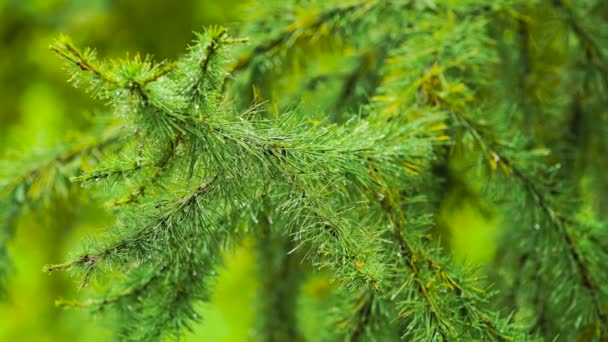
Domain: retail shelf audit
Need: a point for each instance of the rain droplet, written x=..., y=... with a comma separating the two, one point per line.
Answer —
x=537, y=226
x=380, y=196
x=194, y=273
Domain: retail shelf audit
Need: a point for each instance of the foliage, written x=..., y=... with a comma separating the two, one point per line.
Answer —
x=330, y=137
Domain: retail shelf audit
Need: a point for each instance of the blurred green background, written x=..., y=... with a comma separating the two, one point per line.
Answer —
x=39, y=109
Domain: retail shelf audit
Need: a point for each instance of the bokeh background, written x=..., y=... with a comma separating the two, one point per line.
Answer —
x=38, y=109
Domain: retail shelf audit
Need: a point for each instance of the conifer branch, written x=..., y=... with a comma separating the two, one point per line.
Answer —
x=592, y=51
x=114, y=298
x=43, y=182
x=582, y=269
x=441, y=326
x=410, y=258
x=62, y=158
x=64, y=48
x=218, y=38
x=295, y=29
x=251, y=145
x=161, y=166
x=353, y=198
x=168, y=210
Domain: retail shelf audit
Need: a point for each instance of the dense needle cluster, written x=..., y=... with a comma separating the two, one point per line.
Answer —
x=330, y=137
